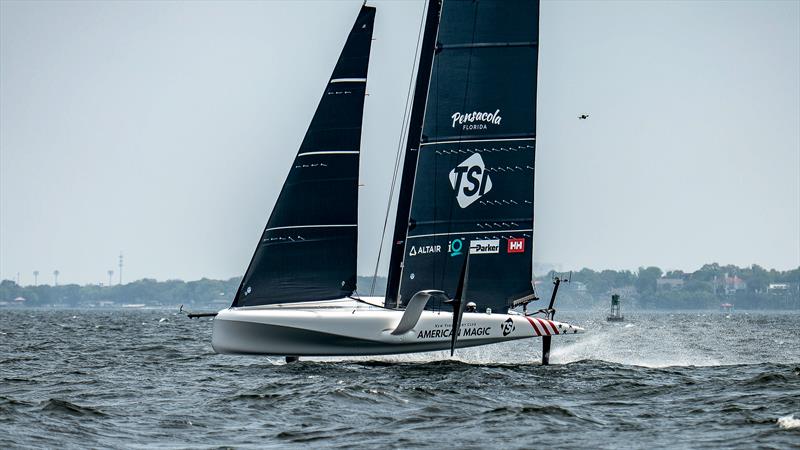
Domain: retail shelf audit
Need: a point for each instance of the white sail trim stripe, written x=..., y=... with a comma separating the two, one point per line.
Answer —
x=313, y=226
x=348, y=80
x=332, y=152
x=477, y=140
x=470, y=232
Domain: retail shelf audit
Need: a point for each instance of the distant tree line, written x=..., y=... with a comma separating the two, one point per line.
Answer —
x=146, y=292
x=650, y=288
x=203, y=293
x=709, y=287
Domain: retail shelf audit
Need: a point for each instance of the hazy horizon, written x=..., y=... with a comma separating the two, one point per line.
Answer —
x=165, y=131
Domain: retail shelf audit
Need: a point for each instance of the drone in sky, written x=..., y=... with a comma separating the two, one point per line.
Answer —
x=583, y=116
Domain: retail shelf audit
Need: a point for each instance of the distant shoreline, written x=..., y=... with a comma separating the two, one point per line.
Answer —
x=648, y=289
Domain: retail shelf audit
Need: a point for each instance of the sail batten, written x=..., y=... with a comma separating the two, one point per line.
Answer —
x=505, y=234
x=331, y=152
x=348, y=80
x=314, y=226
x=457, y=138
x=487, y=45
x=466, y=140
x=308, y=249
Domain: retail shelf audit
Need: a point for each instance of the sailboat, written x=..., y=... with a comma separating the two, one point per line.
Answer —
x=461, y=264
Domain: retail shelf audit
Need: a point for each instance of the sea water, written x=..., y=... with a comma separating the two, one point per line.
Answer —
x=147, y=378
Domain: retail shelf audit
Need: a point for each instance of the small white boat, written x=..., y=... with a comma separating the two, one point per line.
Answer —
x=462, y=245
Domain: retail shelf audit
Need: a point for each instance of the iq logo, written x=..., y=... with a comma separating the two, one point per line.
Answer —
x=470, y=180
x=454, y=247
x=516, y=245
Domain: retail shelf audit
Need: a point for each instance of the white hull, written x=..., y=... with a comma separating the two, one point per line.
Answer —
x=347, y=328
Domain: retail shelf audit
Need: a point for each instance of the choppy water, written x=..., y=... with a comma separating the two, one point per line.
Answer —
x=150, y=378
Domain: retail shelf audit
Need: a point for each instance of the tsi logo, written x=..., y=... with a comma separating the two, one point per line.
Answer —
x=516, y=245
x=470, y=180
x=484, y=247
x=507, y=326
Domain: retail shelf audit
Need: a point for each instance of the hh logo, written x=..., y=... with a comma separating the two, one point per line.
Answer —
x=516, y=245
x=470, y=180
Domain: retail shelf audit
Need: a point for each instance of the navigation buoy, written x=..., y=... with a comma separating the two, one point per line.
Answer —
x=616, y=315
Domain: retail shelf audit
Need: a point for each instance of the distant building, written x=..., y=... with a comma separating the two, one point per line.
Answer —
x=731, y=285
x=778, y=288
x=668, y=284
x=625, y=291
x=578, y=286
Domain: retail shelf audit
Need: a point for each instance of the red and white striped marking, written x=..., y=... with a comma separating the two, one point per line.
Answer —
x=543, y=327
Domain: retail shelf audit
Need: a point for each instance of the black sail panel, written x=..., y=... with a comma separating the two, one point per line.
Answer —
x=308, y=250
x=473, y=189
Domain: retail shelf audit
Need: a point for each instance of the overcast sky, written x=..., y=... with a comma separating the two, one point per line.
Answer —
x=153, y=128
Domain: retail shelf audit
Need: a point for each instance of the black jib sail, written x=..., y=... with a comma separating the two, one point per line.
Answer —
x=473, y=183
x=309, y=247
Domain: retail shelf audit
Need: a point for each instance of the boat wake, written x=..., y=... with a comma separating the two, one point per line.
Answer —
x=789, y=423
x=627, y=346
x=651, y=340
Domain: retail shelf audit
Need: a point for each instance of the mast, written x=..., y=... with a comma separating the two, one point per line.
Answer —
x=421, y=87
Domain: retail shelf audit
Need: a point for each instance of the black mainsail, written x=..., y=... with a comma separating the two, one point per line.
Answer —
x=473, y=177
x=308, y=249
